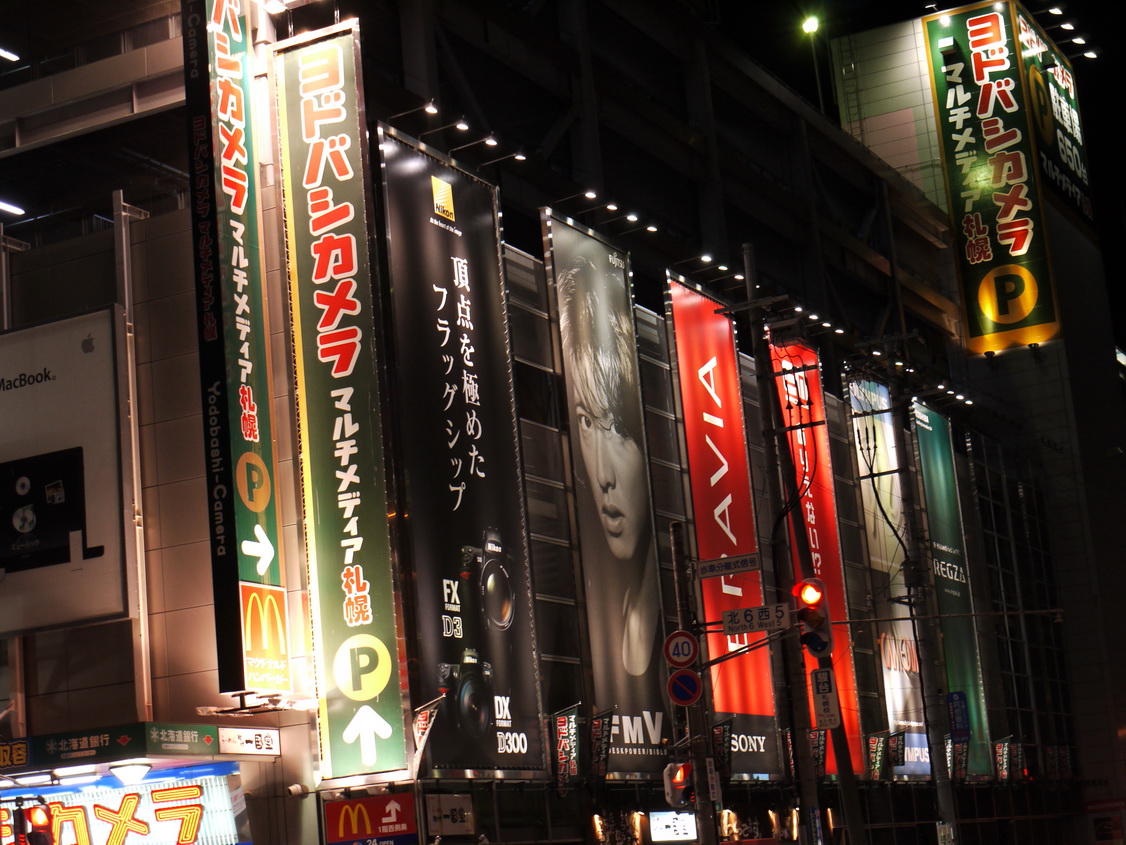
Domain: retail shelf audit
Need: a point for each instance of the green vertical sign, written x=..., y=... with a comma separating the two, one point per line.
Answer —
x=323, y=156
x=234, y=350
x=989, y=158
x=948, y=558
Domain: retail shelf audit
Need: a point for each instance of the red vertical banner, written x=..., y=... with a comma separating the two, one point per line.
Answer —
x=723, y=505
x=797, y=377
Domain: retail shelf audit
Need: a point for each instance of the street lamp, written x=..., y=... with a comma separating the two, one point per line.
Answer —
x=810, y=26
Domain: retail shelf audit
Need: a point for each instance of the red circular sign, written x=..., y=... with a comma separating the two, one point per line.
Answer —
x=681, y=649
x=685, y=687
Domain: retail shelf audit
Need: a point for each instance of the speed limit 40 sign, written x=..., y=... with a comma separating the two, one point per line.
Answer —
x=681, y=649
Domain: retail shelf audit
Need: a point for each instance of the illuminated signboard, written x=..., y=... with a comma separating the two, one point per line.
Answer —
x=200, y=805
x=609, y=456
x=361, y=723
x=386, y=819
x=952, y=588
x=454, y=410
x=986, y=128
x=715, y=437
x=233, y=340
x=63, y=550
x=885, y=529
x=797, y=374
x=1054, y=108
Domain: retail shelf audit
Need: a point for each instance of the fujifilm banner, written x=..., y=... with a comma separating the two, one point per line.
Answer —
x=618, y=544
x=722, y=504
x=454, y=409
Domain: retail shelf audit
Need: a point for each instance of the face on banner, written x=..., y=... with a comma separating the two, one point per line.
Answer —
x=722, y=504
x=455, y=412
x=885, y=529
x=797, y=372
x=615, y=510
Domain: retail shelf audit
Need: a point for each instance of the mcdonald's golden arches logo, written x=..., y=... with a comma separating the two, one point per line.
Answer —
x=264, y=621
x=352, y=814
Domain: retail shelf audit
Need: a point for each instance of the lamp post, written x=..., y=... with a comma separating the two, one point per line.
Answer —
x=809, y=26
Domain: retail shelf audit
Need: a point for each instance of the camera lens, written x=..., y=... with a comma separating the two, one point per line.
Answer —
x=475, y=704
x=497, y=595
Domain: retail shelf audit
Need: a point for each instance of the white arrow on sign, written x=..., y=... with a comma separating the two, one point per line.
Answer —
x=261, y=548
x=365, y=726
x=392, y=812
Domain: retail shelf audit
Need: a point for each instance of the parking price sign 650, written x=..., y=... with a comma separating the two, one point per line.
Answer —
x=746, y=620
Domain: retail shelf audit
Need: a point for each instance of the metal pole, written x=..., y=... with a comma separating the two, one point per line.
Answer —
x=817, y=71
x=123, y=217
x=779, y=548
x=850, y=797
x=699, y=737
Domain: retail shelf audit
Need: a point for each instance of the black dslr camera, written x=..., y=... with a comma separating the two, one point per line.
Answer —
x=471, y=686
x=489, y=606
x=498, y=601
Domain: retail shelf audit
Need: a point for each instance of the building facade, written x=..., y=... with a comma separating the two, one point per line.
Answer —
x=381, y=431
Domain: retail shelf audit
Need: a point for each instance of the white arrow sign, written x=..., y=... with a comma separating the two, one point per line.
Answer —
x=261, y=548
x=392, y=812
x=365, y=726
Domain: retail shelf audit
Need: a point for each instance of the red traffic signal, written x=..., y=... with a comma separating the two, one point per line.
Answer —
x=812, y=610
x=33, y=825
x=678, y=785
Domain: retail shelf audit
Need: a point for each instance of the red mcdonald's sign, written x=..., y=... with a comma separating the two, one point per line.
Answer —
x=265, y=637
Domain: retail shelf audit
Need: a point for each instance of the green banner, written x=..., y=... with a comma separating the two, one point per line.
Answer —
x=233, y=346
x=989, y=158
x=952, y=589
x=323, y=155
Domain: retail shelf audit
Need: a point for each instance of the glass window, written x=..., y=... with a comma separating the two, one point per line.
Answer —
x=547, y=510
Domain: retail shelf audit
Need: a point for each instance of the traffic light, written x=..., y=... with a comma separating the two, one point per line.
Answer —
x=33, y=825
x=678, y=785
x=813, y=612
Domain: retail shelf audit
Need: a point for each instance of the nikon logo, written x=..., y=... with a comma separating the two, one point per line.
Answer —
x=26, y=379
x=443, y=198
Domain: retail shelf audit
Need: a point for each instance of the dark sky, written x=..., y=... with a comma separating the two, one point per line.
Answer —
x=773, y=36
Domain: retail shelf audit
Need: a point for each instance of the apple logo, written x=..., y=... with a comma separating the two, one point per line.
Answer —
x=88, y=344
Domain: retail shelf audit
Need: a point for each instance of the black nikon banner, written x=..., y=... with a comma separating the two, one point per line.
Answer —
x=594, y=303
x=464, y=527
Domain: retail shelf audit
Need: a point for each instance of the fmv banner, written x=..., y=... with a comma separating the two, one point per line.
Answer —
x=723, y=508
x=594, y=303
x=464, y=511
